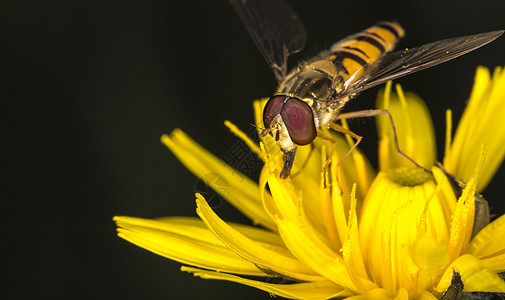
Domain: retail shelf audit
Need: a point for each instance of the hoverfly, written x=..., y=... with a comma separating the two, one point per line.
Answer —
x=311, y=96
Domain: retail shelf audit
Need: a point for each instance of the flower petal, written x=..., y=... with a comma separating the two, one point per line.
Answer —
x=305, y=290
x=351, y=251
x=381, y=294
x=414, y=129
x=290, y=205
x=326, y=262
x=464, y=215
x=447, y=193
x=488, y=245
x=185, y=240
x=481, y=124
x=238, y=189
x=389, y=225
x=431, y=257
x=476, y=276
x=272, y=257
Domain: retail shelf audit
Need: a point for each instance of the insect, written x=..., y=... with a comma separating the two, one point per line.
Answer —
x=311, y=96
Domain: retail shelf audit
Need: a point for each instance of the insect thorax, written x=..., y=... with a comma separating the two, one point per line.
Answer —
x=316, y=88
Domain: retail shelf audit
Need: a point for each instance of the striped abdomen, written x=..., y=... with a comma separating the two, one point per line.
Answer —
x=351, y=54
x=318, y=80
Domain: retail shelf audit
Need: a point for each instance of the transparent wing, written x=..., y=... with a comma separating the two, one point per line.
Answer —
x=275, y=29
x=404, y=62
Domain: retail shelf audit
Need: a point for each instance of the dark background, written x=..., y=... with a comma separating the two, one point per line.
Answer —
x=88, y=87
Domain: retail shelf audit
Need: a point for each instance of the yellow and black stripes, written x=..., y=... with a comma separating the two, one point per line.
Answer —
x=334, y=70
x=351, y=54
x=392, y=27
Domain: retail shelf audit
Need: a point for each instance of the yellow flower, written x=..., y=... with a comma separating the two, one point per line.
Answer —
x=480, y=125
x=348, y=232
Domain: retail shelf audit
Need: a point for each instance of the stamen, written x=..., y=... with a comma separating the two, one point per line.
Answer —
x=250, y=143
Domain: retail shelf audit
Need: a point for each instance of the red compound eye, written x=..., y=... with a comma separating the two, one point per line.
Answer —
x=299, y=121
x=272, y=109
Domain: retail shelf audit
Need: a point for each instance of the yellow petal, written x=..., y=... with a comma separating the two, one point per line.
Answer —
x=272, y=257
x=389, y=225
x=476, y=276
x=351, y=251
x=447, y=193
x=402, y=294
x=425, y=295
x=305, y=290
x=265, y=196
x=481, y=124
x=331, y=203
x=292, y=206
x=431, y=256
x=489, y=245
x=238, y=189
x=382, y=294
x=326, y=262
x=185, y=240
x=414, y=129
x=464, y=215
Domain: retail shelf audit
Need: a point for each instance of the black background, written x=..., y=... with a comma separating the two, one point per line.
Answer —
x=88, y=87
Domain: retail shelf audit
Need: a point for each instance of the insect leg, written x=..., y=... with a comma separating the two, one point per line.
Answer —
x=330, y=156
x=373, y=113
x=289, y=159
x=344, y=130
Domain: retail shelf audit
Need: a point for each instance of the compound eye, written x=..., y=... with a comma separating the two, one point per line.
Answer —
x=299, y=121
x=272, y=109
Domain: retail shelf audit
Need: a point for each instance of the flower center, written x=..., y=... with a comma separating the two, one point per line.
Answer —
x=407, y=176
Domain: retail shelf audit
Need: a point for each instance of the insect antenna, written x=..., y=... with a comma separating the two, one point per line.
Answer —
x=264, y=131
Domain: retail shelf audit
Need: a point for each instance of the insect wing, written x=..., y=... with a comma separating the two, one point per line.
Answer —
x=275, y=29
x=400, y=63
